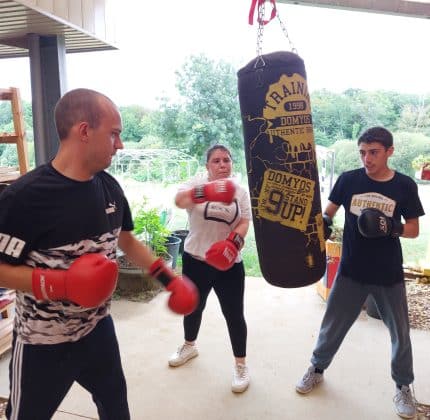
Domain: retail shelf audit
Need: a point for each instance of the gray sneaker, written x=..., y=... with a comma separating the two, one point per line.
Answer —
x=183, y=354
x=404, y=402
x=309, y=381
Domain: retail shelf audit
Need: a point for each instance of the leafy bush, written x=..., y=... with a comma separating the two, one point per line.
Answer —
x=407, y=146
x=346, y=156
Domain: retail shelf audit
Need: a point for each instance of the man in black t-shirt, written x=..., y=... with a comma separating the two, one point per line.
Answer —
x=375, y=198
x=60, y=226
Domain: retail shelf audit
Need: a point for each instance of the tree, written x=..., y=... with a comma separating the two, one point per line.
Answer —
x=131, y=120
x=416, y=116
x=346, y=115
x=407, y=147
x=207, y=112
x=167, y=125
x=331, y=114
x=371, y=109
x=346, y=156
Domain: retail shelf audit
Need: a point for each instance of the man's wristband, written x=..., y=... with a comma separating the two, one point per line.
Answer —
x=161, y=272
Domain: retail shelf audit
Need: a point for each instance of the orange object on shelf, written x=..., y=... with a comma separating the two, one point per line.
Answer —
x=425, y=172
x=333, y=252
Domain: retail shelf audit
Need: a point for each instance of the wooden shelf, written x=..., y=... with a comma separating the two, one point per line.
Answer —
x=8, y=138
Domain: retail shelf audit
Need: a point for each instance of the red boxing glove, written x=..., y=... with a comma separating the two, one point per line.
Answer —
x=223, y=254
x=222, y=190
x=184, y=296
x=89, y=281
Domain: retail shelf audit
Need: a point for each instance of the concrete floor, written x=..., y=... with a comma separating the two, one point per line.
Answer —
x=282, y=328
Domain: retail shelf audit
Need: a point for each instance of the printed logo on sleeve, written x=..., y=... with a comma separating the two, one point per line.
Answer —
x=10, y=245
x=111, y=208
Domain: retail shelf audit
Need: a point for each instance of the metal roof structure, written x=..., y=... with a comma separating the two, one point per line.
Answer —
x=81, y=23
x=410, y=8
x=45, y=30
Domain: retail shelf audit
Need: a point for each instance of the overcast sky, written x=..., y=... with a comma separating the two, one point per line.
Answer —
x=341, y=49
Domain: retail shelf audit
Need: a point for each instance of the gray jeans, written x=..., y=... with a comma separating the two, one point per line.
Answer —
x=343, y=308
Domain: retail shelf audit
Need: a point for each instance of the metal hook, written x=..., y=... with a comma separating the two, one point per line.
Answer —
x=259, y=62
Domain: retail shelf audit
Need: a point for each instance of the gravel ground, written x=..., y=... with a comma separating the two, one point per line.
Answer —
x=419, y=316
x=419, y=304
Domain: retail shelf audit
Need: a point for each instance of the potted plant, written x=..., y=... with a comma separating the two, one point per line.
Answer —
x=150, y=229
x=182, y=234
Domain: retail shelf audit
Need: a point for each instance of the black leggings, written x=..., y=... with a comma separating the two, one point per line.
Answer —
x=229, y=286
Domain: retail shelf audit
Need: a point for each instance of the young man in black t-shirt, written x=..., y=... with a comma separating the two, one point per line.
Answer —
x=375, y=199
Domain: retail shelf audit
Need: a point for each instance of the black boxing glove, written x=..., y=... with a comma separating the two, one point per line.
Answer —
x=372, y=223
x=327, y=222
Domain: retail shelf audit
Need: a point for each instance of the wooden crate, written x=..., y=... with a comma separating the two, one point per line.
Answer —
x=333, y=249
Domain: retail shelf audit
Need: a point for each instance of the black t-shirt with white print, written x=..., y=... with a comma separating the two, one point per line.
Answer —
x=374, y=261
x=48, y=220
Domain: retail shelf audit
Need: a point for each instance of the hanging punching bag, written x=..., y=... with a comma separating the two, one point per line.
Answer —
x=282, y=169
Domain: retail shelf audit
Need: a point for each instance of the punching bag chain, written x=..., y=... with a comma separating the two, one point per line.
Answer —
x=260, y=5
x=284, y=30
x=260, y=62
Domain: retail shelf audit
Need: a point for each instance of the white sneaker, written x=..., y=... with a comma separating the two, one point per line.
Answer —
x=183, y=354
x=240, y=380
x=309, y=381
x=404, y=403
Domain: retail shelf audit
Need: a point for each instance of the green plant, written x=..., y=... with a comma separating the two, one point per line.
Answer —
x=149, y=228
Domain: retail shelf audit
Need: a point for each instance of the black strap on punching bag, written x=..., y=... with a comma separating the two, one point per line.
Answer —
x=282, y=169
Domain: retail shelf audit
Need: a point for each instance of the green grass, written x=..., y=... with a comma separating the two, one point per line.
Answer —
x=250, y=255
